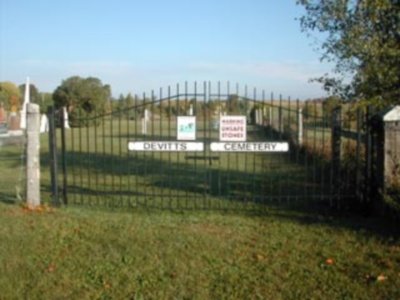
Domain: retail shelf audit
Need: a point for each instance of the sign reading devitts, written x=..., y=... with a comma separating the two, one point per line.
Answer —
x=163, y=146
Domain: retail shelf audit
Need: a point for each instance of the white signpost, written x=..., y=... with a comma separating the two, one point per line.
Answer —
x=249, y=147
x=232, y=128
x=186, y=128
x=164, y=146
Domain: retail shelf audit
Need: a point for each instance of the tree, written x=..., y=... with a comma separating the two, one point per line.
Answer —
x=83, y=97
x=46, y=100
x=10, y=96
x=363, y=40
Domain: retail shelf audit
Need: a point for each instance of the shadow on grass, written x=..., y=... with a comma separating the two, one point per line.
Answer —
x=181, y=178
x=143, y=175
x=7, y=198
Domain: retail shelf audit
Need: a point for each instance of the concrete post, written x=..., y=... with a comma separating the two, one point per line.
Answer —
x=32, y=155
x=391, y=145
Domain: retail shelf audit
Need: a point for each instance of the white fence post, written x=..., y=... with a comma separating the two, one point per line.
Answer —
x=32, y=155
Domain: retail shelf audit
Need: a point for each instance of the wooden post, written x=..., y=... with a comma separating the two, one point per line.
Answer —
x=32, y=156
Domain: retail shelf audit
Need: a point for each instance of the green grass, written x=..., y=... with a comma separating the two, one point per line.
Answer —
x=75, y=253
x=84, y=253
x=12, y=172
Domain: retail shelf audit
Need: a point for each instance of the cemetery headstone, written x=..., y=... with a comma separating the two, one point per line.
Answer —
x=44, y=124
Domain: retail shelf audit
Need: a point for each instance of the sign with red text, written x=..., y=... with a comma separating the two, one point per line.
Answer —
x=232, y=128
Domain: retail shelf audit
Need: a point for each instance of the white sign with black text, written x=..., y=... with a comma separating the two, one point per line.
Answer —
x=164, y=146
x=250, y=147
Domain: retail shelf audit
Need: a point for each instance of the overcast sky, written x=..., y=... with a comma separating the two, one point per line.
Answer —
x=136, y=46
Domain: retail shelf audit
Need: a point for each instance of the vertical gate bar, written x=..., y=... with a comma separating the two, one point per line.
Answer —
x=169, y=153
x=97, y=119
x=228, y=177
x=162, y=184
x=80, y=156
x=358, y=155
x=322, y=162
x=178, y=169
x=255, y=130
x=314, y=151
x=271, y=137
x=368, y=157
x=217, y=172
x=245, y=155
x=331, y=163
x=336, y=153
x=298, y=148
x=104, y=160
x=128, y=154
x=72, y=168
x=264, y=106
x=144, y=132
x=89, y=158
x=271, y=122
x=186, y=113
x=306, y=150
x=136, y=115
x=280, y=129
x=280, y=117
x=208, y=138
x=63, y=159
x=53, y=154
x=195, y=153
x=153, y=155
x=346, y=170
x=239, y=201
x=289, y=155
x=120, y=158
x=112, y=154
x=205, y=140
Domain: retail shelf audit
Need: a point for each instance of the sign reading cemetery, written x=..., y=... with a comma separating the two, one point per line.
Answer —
x=250, y=147
x=232, y=128
x=165, y=146
x=186, y=128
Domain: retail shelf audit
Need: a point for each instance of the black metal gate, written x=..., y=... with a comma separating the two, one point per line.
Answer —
x=324, y=162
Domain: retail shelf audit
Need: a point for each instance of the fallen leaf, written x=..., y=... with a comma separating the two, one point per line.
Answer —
x=260, y=257
x=51, y=268
x=329, y=261
x=381, y=278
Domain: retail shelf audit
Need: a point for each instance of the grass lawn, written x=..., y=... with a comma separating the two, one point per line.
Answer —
x=81, y=253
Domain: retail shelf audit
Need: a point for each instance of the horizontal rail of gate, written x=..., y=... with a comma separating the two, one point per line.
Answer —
x=324, y=163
